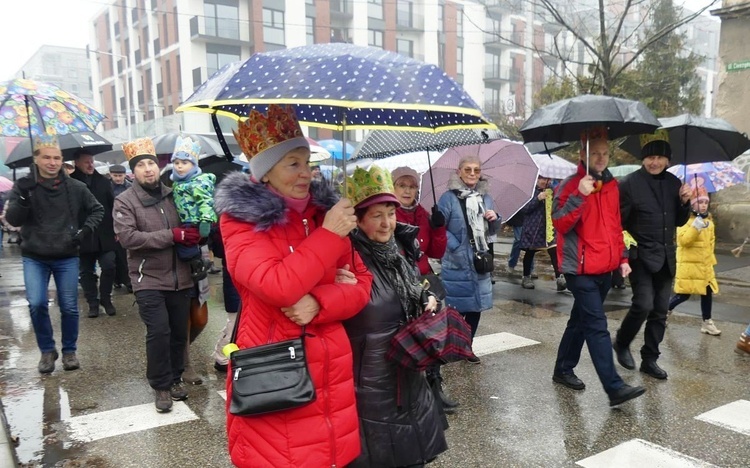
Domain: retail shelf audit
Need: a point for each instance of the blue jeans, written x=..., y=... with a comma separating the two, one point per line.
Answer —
x=588, y=323
x=36, y=274
x=515, y=251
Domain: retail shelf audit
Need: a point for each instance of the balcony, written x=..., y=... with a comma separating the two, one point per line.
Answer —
x=407, y=22
x=503, y=6
x=342, y=9
x=494, y=41
x=496, y=75
x=493, y=108
x=225, y=31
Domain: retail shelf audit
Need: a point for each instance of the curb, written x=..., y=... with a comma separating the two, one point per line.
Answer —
x=7, y=453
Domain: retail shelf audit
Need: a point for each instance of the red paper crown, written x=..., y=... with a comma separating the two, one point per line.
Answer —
x=260, y=132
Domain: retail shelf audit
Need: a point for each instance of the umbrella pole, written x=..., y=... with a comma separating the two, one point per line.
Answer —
x=588, y=171
x=343, y=151
x=432, y=181
x=220, y=137
x=684, y=163
x=31, y=139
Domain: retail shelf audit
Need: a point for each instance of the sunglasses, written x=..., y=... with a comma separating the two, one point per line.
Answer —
x=469, y=170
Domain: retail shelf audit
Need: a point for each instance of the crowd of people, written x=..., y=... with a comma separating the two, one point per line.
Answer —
x=345, y=271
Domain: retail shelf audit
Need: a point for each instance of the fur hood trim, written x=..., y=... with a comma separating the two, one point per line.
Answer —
x=455, y=183
x=240, y=197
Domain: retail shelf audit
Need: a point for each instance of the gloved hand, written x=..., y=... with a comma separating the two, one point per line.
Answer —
x=186, y=236
x=699, y=223
x=204, y=229
x=438, y=218
x=80, y=234
x=25, y=186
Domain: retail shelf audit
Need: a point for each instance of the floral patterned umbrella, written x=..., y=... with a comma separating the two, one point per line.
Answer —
x=38, y=107
x=713, y=176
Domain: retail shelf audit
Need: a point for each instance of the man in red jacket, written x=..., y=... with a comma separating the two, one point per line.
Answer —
x=586, y=216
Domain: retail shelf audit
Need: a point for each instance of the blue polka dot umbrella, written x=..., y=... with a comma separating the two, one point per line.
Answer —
x=342, y=86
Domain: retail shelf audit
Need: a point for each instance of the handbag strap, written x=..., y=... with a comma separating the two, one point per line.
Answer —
x=469, y=230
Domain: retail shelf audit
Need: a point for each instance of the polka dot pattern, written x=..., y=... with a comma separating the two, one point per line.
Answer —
x=339, y=84
x=384, y=143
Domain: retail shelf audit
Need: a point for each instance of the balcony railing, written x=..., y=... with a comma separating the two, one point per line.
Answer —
x=503, y=38
x=409, y=20
x=497, y=74
x=342, y=7
x=227, y=29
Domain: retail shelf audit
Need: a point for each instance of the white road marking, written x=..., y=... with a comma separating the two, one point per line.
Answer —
x=120, y=421
x=639, y=453
x=488, y=344
x=734, y=416
x=223, y=394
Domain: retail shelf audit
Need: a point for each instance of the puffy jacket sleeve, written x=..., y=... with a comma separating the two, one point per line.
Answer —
x=203, y=195
x=279, y=279
x=567, y=206
x=686, y=235
x=447, y=204
x=126, y=229
x=342, y=301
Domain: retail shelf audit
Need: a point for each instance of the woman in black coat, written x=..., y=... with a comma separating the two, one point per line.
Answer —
x=400, y=421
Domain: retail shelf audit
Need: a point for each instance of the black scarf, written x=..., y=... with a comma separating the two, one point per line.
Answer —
x=401, y=275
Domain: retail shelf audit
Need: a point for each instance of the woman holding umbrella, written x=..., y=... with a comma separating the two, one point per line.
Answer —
x=470, y=219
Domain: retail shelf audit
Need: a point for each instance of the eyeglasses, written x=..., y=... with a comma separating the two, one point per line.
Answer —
x=407, y=187
x=475, y=170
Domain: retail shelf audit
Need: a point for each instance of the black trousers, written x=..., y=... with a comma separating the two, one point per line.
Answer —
x=121, y=266
x=88, y=277
x=650, y=301
x=165, y=314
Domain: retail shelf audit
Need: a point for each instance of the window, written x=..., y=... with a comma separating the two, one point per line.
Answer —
x=219, y=55
x=441, y=13
x=273, y=26
x=222, y=20
x=310, y=30
x=405, y=47
x=375, y=38
x=404, y=9
x=441, y=55
x=375, y=9
x=460, y=60
x=460, y=22
x=72, y=73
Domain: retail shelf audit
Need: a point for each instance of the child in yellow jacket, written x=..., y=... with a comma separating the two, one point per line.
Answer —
x=695, y=260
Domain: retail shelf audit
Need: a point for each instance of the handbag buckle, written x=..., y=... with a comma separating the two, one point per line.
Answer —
x=292, y=354
x=237, y=373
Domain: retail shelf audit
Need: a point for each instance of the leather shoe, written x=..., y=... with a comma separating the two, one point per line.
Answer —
x=623, y=356
x=625, y=393
x=569, y=380
x=652, y=368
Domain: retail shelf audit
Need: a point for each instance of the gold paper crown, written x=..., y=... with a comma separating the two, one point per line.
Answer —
x=45, y=140
x=659, y=135
x=138, y=147
x=598, y=132
x=365, y=184
x=260, y=132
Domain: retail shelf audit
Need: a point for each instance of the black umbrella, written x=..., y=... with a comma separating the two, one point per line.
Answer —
x=384, y=143
x=164, y=144
x=544, y=147
x=69, y=143
x=697, y=139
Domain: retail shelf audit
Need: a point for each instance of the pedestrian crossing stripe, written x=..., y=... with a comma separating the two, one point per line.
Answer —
x=497, y=342
x=223, y=394
x=734, y=416
x=95, y=426
x=638, y=452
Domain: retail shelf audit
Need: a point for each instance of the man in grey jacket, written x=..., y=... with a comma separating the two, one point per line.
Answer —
x=55, y=213
x=147, y=225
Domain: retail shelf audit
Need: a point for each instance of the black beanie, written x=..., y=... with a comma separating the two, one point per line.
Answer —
x=657, y=148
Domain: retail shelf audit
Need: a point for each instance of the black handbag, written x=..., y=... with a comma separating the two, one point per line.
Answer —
x=483, y=260
x=269, y=378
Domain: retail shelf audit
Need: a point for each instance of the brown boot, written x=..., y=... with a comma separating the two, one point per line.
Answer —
x=743, y=346
x=189, y=375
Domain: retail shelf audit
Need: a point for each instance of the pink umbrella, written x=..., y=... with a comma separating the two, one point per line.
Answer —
x=5, y=184
x=508, y=167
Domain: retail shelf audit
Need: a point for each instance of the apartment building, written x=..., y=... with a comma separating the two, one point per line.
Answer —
x=65, y=67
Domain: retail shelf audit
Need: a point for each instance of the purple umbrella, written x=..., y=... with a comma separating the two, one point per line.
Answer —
x=5, y=185
x=508, y=167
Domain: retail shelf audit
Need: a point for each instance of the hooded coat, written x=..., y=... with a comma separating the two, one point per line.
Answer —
x=275, y=256
x=466, y=290
x=398, y=415
x=695, y=259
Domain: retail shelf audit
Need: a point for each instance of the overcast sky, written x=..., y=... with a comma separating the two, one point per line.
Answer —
x=67, y=23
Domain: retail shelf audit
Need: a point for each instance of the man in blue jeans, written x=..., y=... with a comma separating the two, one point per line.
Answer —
x=55, y=213
x=586, y=216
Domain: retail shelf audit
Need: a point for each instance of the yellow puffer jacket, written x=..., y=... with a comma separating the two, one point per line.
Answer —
x=695, y=259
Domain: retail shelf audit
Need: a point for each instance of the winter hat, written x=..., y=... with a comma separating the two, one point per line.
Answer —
x=117, y=169
x=404, y=171
x=187, y=149
x=266, y=139
x=656, y=144
x=697, y=195
x=365, y=188
x=139, y=149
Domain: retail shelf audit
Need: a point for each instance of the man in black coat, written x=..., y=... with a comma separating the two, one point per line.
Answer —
x=119, y=184
x=653, y=203
x=98, y=245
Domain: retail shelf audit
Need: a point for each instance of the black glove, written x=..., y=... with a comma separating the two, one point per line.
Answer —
x=438, y=218
x=25, y=185
x=80, y=234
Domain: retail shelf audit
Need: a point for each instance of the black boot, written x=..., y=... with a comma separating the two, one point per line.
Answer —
x=436, y=383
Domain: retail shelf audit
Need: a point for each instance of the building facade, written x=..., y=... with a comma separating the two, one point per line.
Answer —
x=65, y=67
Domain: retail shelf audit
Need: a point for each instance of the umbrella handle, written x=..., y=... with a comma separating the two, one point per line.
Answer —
x=432, y=181
x=220, y=137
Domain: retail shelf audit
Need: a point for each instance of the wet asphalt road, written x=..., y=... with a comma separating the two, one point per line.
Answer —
x=511, y=413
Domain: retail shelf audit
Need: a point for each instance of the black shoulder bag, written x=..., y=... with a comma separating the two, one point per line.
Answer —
x=269, y=378
x=483, y=261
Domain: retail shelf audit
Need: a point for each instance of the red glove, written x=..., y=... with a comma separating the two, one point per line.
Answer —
x=186, y=236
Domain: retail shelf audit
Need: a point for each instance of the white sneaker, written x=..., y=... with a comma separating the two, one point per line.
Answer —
x=708, y=327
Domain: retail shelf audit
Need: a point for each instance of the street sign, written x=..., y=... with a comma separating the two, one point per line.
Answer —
x=738, y=66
